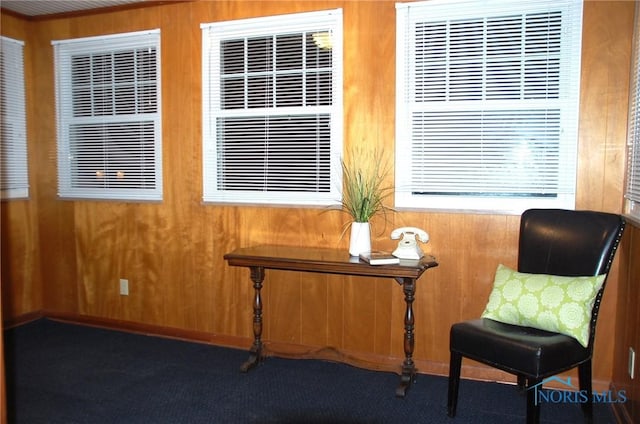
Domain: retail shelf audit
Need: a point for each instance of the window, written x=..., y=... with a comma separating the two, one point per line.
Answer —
x=14, y=176
x=272, y=109
x=633, y=135
x=108, y=115
x=487, y=104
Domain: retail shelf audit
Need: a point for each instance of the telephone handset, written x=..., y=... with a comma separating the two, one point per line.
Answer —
x=408, y=247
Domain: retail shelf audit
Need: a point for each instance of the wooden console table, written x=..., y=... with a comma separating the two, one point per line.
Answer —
x=329, y=261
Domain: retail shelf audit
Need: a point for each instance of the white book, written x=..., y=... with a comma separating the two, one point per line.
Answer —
x=379, y=257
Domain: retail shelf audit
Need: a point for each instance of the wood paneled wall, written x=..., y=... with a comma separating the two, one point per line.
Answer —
x=20, y=245
x=66, y=256
x=628, y=327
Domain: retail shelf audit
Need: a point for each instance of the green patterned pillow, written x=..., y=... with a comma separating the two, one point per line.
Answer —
x=548, y=302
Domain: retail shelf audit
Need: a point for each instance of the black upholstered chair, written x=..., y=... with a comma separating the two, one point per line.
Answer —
x=556, y=242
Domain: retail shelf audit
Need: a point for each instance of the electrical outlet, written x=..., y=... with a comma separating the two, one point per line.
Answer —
x=124, y=287
x=632, y=362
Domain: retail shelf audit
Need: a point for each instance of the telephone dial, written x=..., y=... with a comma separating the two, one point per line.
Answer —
x=408, y=247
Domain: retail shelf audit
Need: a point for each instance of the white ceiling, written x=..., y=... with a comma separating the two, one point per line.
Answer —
x=49, y=7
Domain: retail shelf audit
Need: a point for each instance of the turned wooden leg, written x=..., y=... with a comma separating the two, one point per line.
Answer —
x=408, y=367
x=255, y=353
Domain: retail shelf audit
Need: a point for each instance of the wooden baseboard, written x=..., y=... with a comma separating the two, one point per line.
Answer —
x=470, y=370
x=152, y=330
x=22, y=319
x=621, y=410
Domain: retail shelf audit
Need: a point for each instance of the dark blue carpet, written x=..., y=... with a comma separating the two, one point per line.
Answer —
x=64, y=373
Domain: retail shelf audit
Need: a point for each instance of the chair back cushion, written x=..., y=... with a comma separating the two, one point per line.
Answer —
x=567, y=242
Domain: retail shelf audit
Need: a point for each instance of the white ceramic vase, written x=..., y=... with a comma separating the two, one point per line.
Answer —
x=360, y=240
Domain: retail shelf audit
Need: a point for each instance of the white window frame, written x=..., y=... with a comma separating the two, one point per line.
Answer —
x=423, y=180
x=329, y=25
x=632, y=193
x=14, y=172
x=122, y=149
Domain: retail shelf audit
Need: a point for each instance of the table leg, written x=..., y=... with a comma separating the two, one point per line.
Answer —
x=408, y=367
x=255, y=353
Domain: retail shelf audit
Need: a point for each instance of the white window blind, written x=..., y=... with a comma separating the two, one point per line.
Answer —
x=272, y=109
x=633, y=135
x=487, y=104
x=14, y=176
x=108, y=115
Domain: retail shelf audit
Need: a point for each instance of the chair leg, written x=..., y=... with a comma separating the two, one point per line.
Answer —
x=584, y=376
x=454, y=383
x=522, y=383
x=533, y=406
